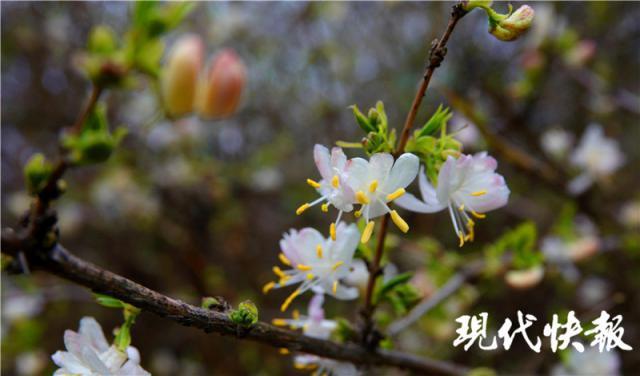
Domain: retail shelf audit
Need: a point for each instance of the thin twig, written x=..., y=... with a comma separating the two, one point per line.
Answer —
x=436, y=56
x=62, y=263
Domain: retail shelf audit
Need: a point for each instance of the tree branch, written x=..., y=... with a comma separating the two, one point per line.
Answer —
x=62, y=263
x=436, y=56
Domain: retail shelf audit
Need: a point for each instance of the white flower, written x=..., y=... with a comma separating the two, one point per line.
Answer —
x=359, y=274
x=597, y=155
x=630, y=214
x=556, y=142
x=318, y=263
x=589, y=362
x=379, y=181
x=467, y=184
x=88, y=353
x=315, y=325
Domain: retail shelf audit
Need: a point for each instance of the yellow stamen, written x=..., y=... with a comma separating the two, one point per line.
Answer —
x=319, y=251
x=284, y=259
x=335, y=182
x=402, y=225
x=478, y=215
x=284, y=279
x=357, y=213
x=362, y=198
x=373, y=186
x=461, y=240
x=279, y=272
x=470, y=223
x=302, y=208
x=295, y=314
x=332, y=231
x=279, y=322
x=303, y=267
x=479, y=193
x=461, y=207
x=313, y=183
x=288, y=301
x=310, y=276
x=335, y=287
x=337, y=265
x=392, y=196
x=268, y=287
x=325, y=207
x=284, y=351
x=368, y=230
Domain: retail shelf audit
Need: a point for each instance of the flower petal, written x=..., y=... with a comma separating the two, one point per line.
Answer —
x=91, y=329
x=323, y=161
x=402, y=173
x=380, y=165
x=411, y=203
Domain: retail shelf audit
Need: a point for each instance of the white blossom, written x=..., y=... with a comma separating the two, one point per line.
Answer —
x=466, y=185
x=598, y=157
x=316, y=262
x=556, y=142
x=379, y=181
x=315, y=325
x=589, y=362
x=371, y=184
x=89, y=354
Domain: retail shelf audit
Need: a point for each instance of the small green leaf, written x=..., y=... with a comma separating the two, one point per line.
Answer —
x=102, y=40
x=108, y=301
x=362, y=120
x=246, y=315
x=391, y=284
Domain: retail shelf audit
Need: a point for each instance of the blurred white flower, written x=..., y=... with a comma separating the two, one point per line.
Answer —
x=18, y=203
x=266, y=179
x=88, y=353
x=315, y=325
x=589, y=362
x=465, y=131
x=17, y=305
x=31, y=363
x=467, y=184
x=598, y=157
x=318, y=263
x=593, y=291
x=359, y=274
x=524, y=279
x=117, y=196
x=630, y=214
x=556, y=143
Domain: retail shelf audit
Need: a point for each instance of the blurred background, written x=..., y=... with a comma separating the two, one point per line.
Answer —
x=193, y=208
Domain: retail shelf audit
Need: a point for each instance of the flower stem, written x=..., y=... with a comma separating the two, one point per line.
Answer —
x=369, y=336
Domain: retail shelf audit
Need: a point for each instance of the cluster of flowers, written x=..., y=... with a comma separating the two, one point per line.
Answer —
x=467, y=186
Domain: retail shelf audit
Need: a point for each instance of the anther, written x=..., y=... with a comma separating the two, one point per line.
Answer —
x=304, y=268
x=332, y=231
x=368, y=230
x=373, y=186
x=319, y=251
x=268, y=287
x=325, y=207
x=335, y=182
x=337, y=265
x=288, y=301
x=478, y=215
x=313, y=183
x=479, y=193
x=362, y=198
x=392, y=196
x=302, y=208
x=284, y=259
x=399, y=222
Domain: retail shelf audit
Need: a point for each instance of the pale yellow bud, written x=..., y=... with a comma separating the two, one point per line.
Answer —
x=220, y=88
x=510, y=28
x=524, y=279
x=179, y=76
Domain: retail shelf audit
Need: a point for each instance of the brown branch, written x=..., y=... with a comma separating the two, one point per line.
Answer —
x=62, y=263
x=436, y=56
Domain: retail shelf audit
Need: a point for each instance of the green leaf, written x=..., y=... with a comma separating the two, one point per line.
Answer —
x=362, y=120
x=437, y=121
x=148, y=57
x=102, y=40
x=391, y=284
x=108, y=301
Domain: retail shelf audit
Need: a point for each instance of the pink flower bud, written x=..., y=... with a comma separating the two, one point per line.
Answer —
x=180, y=74
x=515, y=25
x=220, y=88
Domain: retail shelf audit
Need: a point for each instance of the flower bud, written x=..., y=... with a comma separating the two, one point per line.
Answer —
x=514, y=25
x=220, y=88
x=471, y=4
x=180, y=74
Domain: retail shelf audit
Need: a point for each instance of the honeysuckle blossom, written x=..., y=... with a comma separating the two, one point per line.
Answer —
x=316, y=262
x=556, y=142
x=315, y=325
x=89, y=354
x=333, y=187
x=597, y=155
x=466, y=185
x=379, y=181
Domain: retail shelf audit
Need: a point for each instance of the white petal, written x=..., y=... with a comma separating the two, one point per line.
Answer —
x=338, y=159
x=91, y=329
x=427, y=190
x=402, y=173
x=345, y=293
x=92, y=360
x=376, y=209
x=113, y=358
x=69, y=362
x=411, y=203
x=132, y=368
x=133, y=354
x=347, y=238
x=316, y=312
x=357, y=173
x=323, y=161
x=380, y=165
x=74, y=342
x=445, y=177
